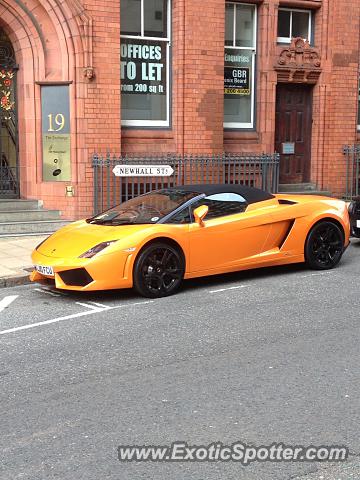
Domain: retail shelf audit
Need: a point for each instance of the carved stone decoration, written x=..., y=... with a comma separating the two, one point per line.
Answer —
x=85, y=24
x=89, y=73
x=298, y=63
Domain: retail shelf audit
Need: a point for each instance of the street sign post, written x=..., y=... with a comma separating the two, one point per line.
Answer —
x=143, y=170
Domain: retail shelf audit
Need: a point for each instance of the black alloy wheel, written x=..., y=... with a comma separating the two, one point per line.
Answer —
x=159, y=270
x=324, y=246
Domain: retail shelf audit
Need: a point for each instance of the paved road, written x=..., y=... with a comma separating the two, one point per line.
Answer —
x=259, y=357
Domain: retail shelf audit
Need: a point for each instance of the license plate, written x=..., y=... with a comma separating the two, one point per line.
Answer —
x=45, y=270
x=357, y=223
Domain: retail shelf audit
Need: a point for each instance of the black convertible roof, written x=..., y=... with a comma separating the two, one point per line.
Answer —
x=251, y=194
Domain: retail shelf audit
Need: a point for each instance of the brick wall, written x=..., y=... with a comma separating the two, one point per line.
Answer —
x=197, y=84
x=61, y=53
x=100, y=123
x=339, y=85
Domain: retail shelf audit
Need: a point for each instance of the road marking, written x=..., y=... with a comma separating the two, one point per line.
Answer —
x=69, y=317
x=317, y=274
x=5, y=302
x=100, y=305
x=42, y=290
x=91, y=305
x=88, y=306
x=229, y=288
x=50, y=291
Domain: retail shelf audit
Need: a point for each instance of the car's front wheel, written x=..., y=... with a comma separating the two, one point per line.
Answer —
x=158, y=270
x=324, y=246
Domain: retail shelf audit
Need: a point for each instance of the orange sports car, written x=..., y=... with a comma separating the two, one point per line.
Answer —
x=154, y=241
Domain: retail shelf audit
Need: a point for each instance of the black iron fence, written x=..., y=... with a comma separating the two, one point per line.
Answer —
x=8, y=178
x=9, y=183
x=260, y=171
x=352, y=154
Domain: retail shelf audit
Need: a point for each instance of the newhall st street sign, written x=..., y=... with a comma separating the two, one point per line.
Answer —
x=143, y=170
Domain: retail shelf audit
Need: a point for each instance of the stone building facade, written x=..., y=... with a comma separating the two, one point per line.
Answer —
x=184, y=76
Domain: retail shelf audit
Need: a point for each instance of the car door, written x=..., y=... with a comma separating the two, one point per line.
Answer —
x=230, y=235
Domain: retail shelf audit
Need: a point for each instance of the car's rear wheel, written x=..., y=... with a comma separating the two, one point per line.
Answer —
x=324, y=246
x=158, y=270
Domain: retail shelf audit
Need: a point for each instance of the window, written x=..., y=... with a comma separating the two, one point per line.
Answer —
x=144, y=72
x=181, y=217
x=239, y=71
x=147, y=208
x=221, y=204
x=292, y=24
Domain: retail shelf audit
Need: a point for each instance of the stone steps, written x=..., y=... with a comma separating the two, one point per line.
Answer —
x=10, y=205
x=27, y=217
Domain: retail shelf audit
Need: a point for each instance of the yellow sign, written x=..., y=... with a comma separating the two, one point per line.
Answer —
x=237, y=91
x=56, y=157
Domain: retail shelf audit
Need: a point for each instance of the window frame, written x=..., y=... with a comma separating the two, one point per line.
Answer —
x=287, y=40
x=167, y=41
x=190, y=205
x=170, y=218
x=245, y=125
x=193, y=206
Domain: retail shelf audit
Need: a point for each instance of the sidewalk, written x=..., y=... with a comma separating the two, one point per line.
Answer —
x=15, y=259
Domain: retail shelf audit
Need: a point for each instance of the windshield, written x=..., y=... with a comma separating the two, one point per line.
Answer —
x=148, y=208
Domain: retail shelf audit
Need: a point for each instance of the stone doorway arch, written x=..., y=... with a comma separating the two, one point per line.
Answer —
x=53, y=44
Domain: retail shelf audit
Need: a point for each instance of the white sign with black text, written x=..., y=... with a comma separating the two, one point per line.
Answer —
x=143, y=170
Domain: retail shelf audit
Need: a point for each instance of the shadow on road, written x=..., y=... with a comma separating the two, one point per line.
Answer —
x=213, y=281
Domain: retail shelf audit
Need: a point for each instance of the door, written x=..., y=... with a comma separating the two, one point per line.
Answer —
x=9, y=184
x=293, y=132
x=230, y=236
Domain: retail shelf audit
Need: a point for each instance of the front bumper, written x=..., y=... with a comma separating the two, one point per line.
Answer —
x=102, y=272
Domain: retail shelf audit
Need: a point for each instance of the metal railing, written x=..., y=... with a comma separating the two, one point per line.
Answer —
x=257, y=170
x=352, y=154
x=8, y=178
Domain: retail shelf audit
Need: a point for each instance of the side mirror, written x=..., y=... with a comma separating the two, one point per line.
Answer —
x=200, y=213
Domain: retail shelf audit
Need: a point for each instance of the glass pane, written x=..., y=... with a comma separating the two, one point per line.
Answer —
x=155, y=18
x=245, y=25
x=238, y=94
x=143, y=70
x=182, y=217
x=229, y=24
x=300, y=24
x=218, y=208
x=130, y=17
x=148, y=208
x=284, y=23
x=143, y=107
x=227, y=197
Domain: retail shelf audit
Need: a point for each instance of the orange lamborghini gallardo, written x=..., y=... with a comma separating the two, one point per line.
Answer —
x=154, y=241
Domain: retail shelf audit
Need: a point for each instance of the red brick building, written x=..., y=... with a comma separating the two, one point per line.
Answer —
x=184, y=76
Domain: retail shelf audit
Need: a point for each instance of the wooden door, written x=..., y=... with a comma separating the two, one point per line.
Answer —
x=293, y=132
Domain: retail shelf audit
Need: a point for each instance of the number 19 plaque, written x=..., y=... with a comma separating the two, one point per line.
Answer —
x=56, y=133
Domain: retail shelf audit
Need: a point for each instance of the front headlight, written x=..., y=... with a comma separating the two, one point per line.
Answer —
x=351, y=207
x=97, y=249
